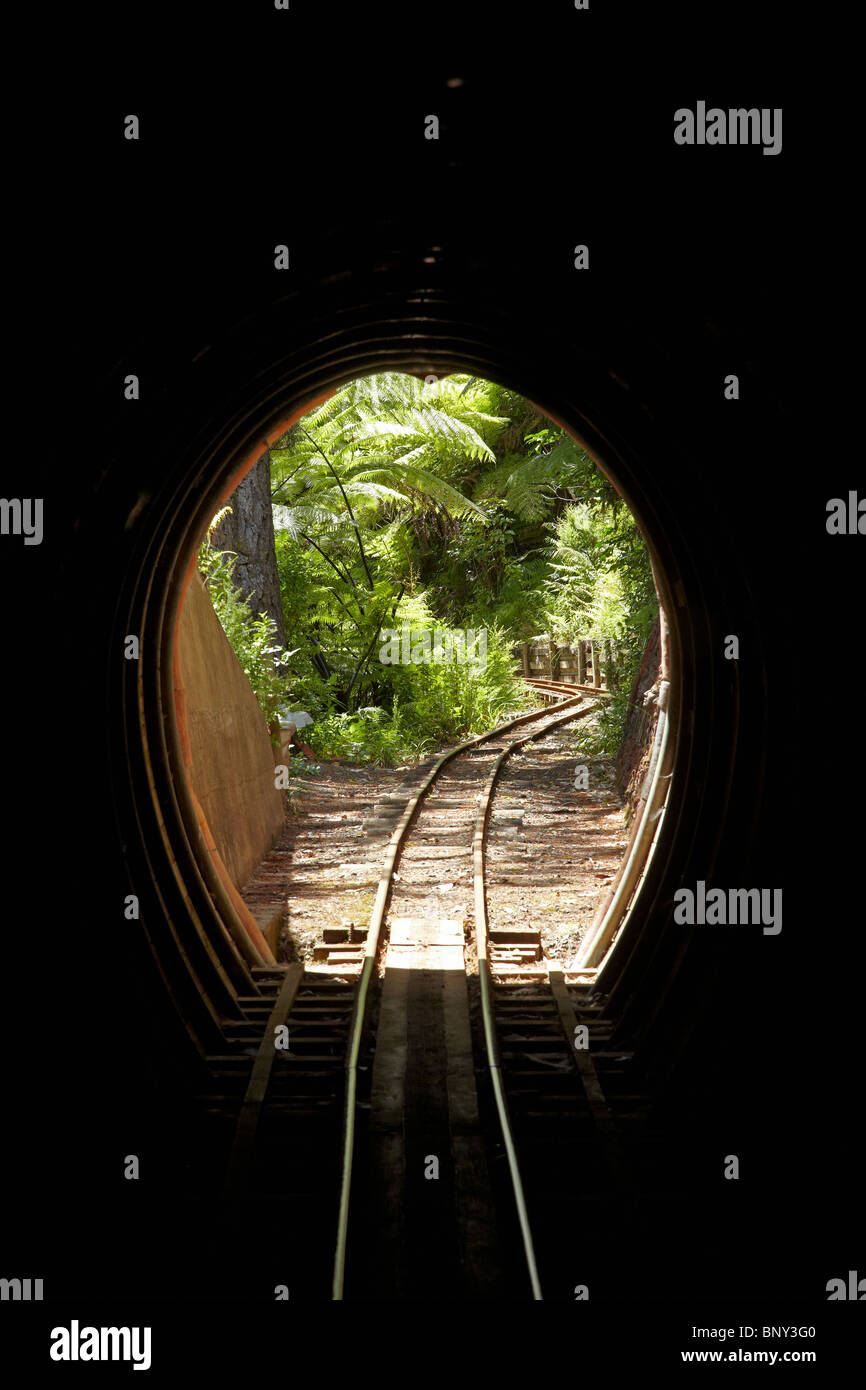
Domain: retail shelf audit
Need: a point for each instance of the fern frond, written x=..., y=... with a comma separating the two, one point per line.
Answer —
x=436, y=489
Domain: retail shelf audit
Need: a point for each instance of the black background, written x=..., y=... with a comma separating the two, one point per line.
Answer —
x=306, y=127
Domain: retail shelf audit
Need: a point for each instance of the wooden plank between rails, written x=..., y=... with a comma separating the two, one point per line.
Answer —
x=248, y=1119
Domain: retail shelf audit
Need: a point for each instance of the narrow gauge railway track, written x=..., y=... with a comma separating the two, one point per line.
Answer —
x=561, y=689
x=355, y=1050
x=423, y=1103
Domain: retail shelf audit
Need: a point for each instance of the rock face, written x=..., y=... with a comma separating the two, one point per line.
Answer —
x=248, y=530
x=633, y=760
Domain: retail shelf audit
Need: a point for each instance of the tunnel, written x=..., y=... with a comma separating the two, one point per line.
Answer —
x=743, y=1041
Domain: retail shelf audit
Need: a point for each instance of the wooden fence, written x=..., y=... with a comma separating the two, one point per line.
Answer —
x=591, y=661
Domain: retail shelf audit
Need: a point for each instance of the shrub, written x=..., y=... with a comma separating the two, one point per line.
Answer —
x=252, y=637
x=431, y=703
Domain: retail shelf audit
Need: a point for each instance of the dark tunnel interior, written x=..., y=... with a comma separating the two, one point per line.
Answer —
x=746, y=1043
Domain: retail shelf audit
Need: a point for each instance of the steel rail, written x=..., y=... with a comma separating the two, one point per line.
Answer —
x=374, y=933
x=544, y=685
x=639, y=854
x=484, y=975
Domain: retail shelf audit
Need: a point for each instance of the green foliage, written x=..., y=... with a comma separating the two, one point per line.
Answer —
x=455, y=698
x=251, y=637
x=488, y=578
x=585, y=583
x=427, y=705
x=368, y=735
x=358, y=485
x=602, y=735
x=380, y=441
x=601, y=580
x=557, y=470
x=300, y=773
x=601, y=586
x=449, y=504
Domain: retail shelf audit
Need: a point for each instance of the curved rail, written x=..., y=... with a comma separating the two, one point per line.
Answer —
x=552, y=687
x=481, y=936
x=374, y=934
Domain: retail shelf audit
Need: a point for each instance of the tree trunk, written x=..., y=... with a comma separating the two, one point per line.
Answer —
x=249, y=531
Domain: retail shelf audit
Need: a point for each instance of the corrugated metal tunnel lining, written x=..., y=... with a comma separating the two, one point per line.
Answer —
x=641, y=410
x=596, y=408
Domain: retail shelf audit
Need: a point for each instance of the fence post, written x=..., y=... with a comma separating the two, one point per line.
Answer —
x=612, y=671
x=596, y=673
x=581, y=662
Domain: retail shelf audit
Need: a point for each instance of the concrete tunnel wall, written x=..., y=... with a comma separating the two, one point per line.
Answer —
x=227, y=748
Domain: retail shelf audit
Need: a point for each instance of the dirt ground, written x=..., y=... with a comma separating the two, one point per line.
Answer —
x=550, y=866
x=553, y=849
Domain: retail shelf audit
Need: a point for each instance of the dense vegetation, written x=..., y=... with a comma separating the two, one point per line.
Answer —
x=447, y=505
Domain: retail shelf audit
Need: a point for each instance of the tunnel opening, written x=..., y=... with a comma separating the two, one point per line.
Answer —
x=209, y=975
x=238, y=963
x=580, y=663
x=225, y=934
x=462, y=261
